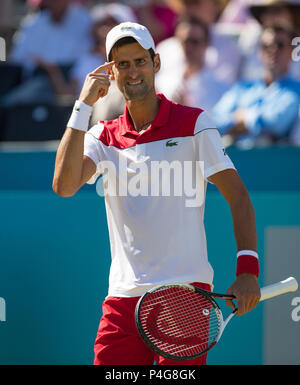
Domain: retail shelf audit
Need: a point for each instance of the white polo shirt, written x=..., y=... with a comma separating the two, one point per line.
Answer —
x=155, y=185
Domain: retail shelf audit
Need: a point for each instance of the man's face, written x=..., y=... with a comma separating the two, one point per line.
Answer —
x=205, y=10
x=99, y=33
x=134, y=71
x=276, y=51
x=193, y=41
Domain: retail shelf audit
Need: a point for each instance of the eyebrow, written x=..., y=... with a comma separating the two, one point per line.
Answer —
x=141, y=55
x=128, y=60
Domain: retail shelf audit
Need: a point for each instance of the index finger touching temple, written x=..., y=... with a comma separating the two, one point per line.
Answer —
x=104, y=67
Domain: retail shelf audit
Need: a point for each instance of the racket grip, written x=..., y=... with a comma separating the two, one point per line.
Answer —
x=289, y=284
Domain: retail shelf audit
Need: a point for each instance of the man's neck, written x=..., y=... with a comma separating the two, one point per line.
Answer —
x=57, y=17
x=143, y=112
x=271, y=76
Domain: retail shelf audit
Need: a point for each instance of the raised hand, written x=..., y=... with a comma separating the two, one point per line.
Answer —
x=96, y=84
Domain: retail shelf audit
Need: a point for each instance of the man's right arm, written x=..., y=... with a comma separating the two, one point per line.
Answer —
x=72, y=168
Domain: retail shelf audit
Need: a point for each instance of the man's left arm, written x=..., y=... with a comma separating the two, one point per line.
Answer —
x=245, y=288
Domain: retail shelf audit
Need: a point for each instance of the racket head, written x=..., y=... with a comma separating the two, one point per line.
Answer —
x=178, y=321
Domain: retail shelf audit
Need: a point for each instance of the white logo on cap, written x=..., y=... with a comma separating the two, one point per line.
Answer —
x=125, y=28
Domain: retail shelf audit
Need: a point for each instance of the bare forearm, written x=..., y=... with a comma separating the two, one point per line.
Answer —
x=60, y=85
x=245, y=288
x=244, y=225
x=68, y=164
x=232, y=188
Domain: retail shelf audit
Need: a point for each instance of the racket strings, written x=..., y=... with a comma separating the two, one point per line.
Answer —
x=179, y=321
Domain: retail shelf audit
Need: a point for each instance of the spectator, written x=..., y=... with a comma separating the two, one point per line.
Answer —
x=265, y=108
x=51, y=36
x=58, y=34
x=192, y=84
x=222, y=56
x=104, y=17
x=267, y=13
x=159, y=16
x=236, y=13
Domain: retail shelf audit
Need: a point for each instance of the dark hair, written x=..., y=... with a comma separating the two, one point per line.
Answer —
x=279, y=28
x=193, y=21
x=293, y=8
x=128, y=40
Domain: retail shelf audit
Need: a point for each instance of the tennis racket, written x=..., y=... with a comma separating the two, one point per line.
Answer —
x=182, y=322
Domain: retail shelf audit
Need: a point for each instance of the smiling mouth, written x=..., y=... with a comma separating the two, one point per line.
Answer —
x=136, y=83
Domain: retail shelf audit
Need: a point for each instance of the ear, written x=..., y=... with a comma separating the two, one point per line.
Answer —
x=156, y=63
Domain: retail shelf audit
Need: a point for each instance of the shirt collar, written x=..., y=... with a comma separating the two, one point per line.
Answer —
x=160, y=120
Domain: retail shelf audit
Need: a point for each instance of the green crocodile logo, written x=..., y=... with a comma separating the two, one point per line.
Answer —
x=171, y=144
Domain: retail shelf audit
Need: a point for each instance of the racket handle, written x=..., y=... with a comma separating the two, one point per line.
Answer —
x=289, y=284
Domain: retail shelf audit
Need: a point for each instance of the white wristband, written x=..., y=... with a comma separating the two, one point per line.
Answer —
x=80, y=116
x=247, y=252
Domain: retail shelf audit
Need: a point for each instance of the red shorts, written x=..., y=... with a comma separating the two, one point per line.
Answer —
x=118, y=341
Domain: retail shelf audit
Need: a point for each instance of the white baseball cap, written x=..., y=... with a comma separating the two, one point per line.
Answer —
x=140, y=33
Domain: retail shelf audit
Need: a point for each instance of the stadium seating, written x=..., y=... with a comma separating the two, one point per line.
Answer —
x=10, y=76
x=34, y=122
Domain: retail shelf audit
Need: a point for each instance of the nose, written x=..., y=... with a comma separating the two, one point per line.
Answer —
x=133, y=72
x=273, y=48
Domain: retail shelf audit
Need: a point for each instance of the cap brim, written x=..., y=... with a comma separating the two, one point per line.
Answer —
x=145, y=46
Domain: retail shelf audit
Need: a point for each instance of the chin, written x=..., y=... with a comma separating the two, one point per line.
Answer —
x=139, y=95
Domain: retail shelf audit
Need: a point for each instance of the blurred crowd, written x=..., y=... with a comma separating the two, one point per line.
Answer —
x=238, y=59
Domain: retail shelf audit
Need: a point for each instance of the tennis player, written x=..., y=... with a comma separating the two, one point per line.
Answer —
x=155, y=238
